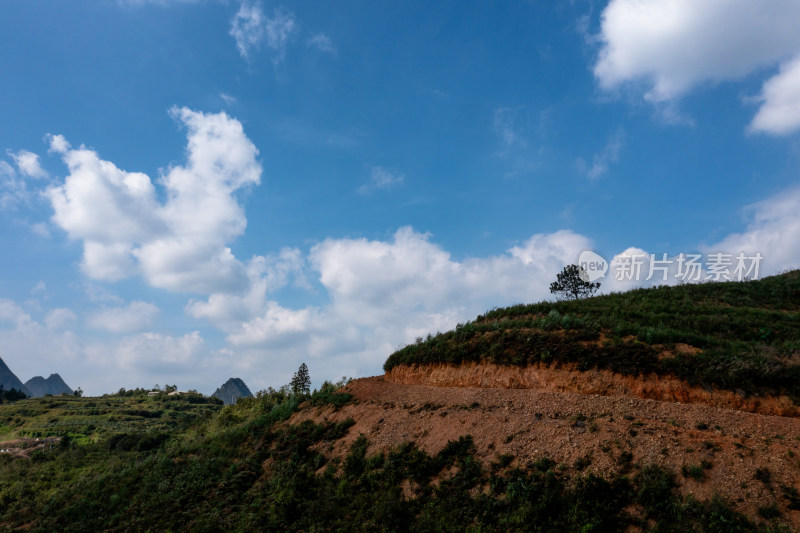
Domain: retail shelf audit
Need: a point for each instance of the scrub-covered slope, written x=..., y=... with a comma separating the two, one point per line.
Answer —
x=743, y=337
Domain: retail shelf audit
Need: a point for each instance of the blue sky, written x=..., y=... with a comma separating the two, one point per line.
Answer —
x=194, y=190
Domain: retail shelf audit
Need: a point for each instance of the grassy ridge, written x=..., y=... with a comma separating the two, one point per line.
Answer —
x=748, y=334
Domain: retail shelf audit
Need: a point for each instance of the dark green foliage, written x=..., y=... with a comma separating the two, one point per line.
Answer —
x=746, y=332
x=140, y=442
x=769, y=511
x=570, y=284
x=763, y=475
x=11, y=395
x=693, y=471
x=793, y=496
x=301, y=381
x=330, y=394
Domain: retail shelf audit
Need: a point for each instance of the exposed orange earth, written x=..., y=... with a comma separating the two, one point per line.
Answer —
x=593, y=421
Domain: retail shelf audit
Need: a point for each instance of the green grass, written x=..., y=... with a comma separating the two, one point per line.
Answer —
x=747, y=333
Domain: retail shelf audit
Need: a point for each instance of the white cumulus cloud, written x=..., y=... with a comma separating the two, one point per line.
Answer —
x=773, y=230
x=383, y=294
x=180, y=244
x=673, y=46
x=28, y=164
x=779, y=113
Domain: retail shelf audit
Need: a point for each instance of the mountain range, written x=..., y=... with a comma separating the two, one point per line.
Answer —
x=38, y=386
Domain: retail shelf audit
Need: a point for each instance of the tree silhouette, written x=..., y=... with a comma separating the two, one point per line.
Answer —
x=301, y=381
x=570, y=284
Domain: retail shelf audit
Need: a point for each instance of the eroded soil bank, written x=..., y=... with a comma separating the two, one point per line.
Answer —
x=563, y=378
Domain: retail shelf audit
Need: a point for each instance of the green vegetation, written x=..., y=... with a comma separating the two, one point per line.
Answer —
x=243, y=468
x=570, y=284
x=744, y=336
x=95, y=419
x=11, y=395
x=301, y=381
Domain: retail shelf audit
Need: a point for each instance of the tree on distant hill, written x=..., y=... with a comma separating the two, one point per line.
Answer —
x=570, y=284
x=301, y=381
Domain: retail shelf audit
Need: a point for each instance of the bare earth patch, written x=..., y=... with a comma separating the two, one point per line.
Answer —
x=723, y=451
x=24, y=447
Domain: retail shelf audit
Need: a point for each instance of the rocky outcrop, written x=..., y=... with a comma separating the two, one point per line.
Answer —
x=564, y=378
x=231, y=391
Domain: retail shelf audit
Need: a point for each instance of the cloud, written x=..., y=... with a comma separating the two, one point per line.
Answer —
x=28, y=164
x=252, y=28
x=136, y=316
x=780, y=110
x=671, y=47
x=61, y=318
x=165, y=3
x=180, y=244
x=773, y=229
x=603, y=159
x=13, y=191
x=381, y=178
x=40, y=289
x=157, y=352
x=31, y=348
x=321, y=42
x=58, y=144
x=382, y=294
x=228, y=99
x=507, y=126
x=266, y=274
x=149, y=358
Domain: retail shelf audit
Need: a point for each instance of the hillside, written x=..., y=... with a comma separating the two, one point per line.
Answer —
x=230, y=391
x=384, y=456
x=742, y=337
x=670, y=409
x=54, y=385
x=748, y=460
x=10, y=381
x=94, y=420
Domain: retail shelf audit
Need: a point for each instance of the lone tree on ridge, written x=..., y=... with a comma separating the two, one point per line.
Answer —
x=570, y=284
